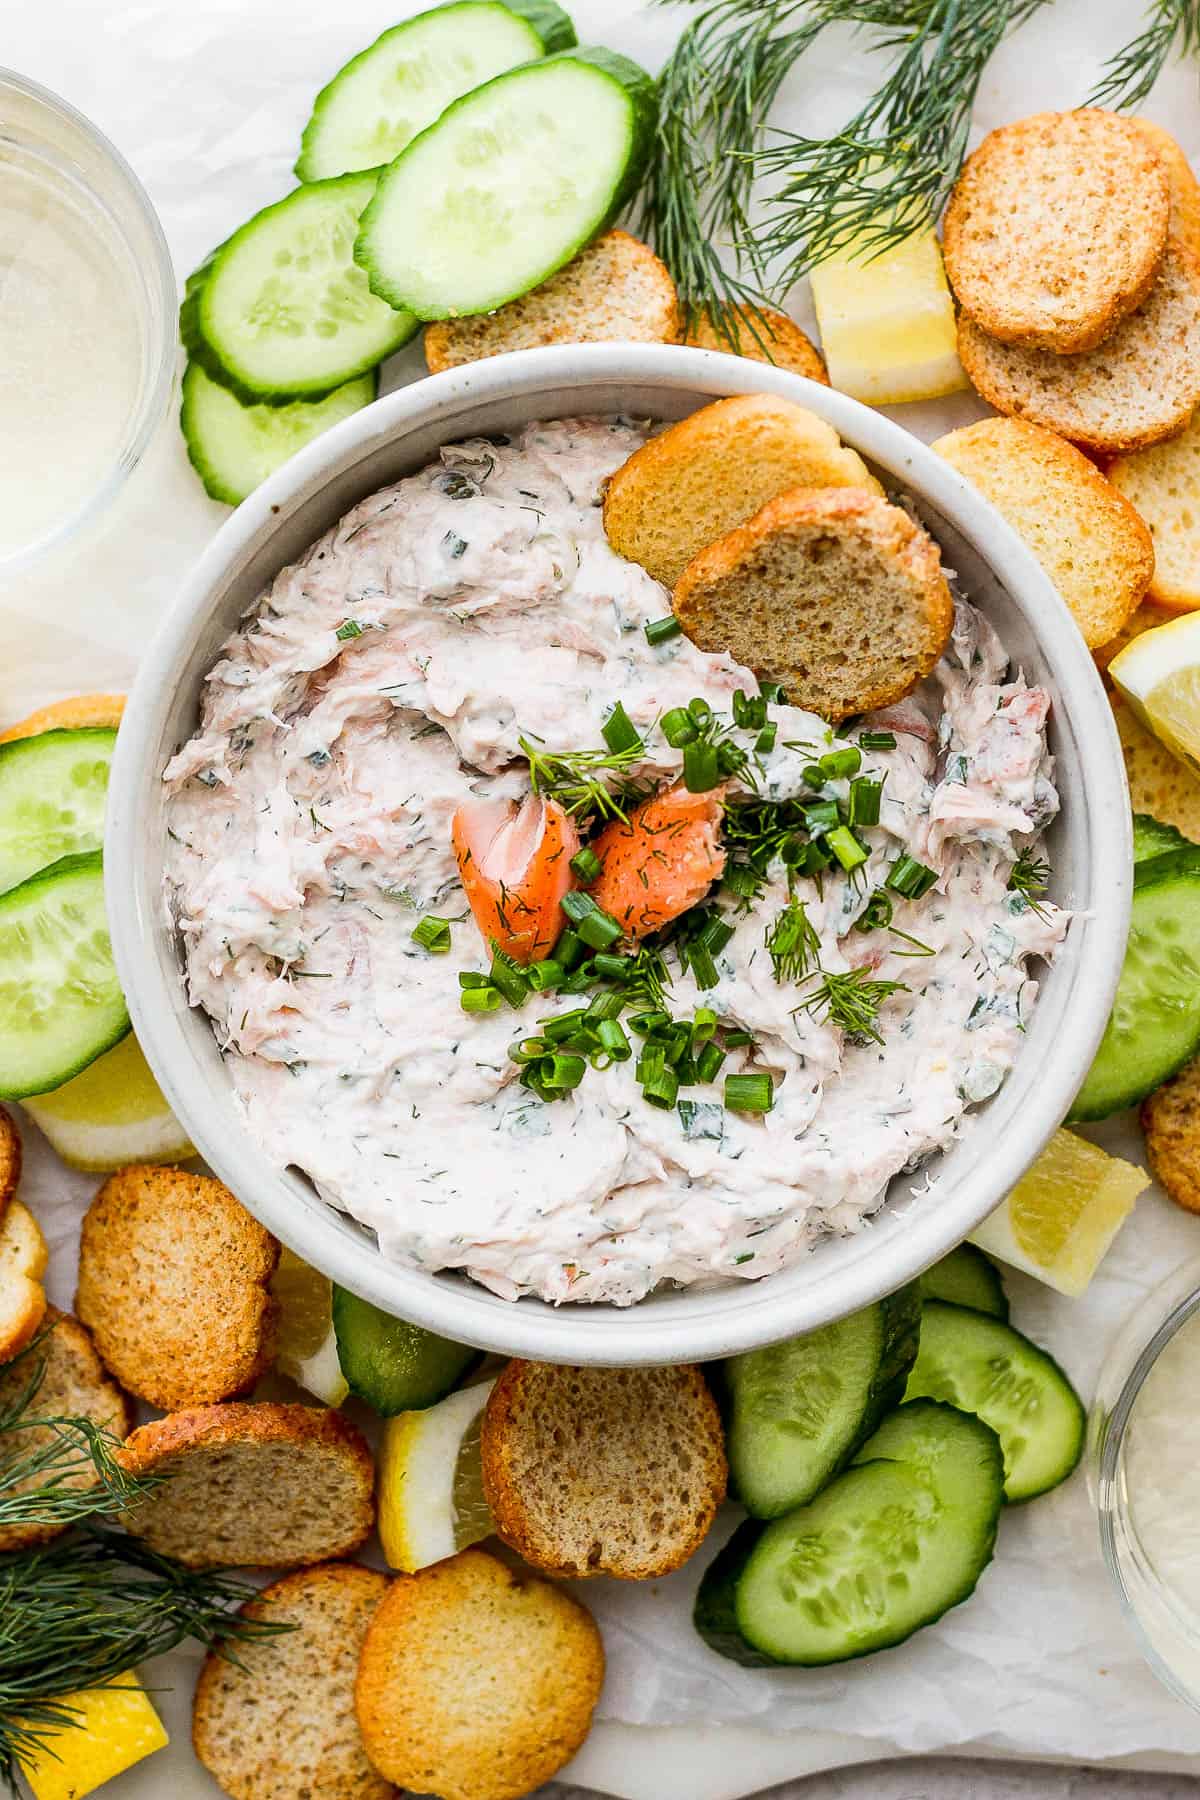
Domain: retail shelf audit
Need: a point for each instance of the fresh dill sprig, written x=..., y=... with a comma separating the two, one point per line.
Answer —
x=82, y=1612
x=575, y=778
x=851, y=999
x=1127, y=77
x=1030, y=877
x=56, y=1470
x=792, y=943
x=715, y=92
x=888, y=172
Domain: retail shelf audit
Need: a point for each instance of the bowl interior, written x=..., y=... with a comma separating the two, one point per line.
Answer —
x=925, y=1214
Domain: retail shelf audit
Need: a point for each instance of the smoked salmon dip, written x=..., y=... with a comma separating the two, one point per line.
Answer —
x=553, y=950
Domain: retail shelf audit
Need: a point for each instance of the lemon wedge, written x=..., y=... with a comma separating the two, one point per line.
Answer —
x=887, y=326
x=305, y=1346
x=1061, y=1217
x=1159, y=675
x=431, y=1501
x=115, y=1728
x=112, y=1114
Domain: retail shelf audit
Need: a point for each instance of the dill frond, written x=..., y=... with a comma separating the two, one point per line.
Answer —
x=1127, y=77
x=792, y=943
x=1030, y=877
x=891, y=168
x=851, y=1000
x=575, y=778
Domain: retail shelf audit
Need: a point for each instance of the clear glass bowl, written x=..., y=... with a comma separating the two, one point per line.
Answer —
x=87, y=321
x=1143, y=1469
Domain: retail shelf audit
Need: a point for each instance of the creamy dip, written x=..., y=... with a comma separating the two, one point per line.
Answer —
x=387, y=676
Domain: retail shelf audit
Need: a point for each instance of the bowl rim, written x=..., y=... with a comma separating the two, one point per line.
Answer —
x=156, y=298
x=726, y=1318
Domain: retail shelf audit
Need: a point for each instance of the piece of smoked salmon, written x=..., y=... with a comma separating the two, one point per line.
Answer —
x=515, y=866
x=660, y=863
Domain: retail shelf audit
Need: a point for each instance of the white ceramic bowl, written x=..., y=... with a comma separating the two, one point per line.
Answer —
x=1089, y=850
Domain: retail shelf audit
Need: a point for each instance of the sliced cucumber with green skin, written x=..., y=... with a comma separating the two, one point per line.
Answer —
x=61, y=1005
x=984, y=1366
x=797, y=1411
x=967, y=1277
x=1152, y=838
x=392, y=1365
x=889, y=1546
x=383, y=97
x=281, y=311
x=233, y=448
x=52, y=793
x=1155, y=1023
x=508, y=184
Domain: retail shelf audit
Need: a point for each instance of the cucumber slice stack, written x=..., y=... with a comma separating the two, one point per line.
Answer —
x=389, y=93
x=508, y=184
x=845, y=1560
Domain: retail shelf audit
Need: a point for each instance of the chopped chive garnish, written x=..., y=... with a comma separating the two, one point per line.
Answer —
x=792, y=851
x=822, y=816
x=562, y=1025
x=911, y=878
x=349, y=628
x=701, y=769
x=562, y=1072
x=472, y=978
x=876, y=914
x=743, y=881
x=839, y=764
x=661, y=1088
x=578, y=981
x=433, y=934
x=599, y=929
x=678, y=727
x=864, y=801
x=619, y=731
x=715, y=934
x=846, y=847
x=612, y=1037
x=764, y=743
x=737, y=1038
x=577, y=907
x=708, y=1063
x=545, y=976
x=586, y=864
x=704, y=1024
x=527, y=1050
x=607, y=1004
x=877, y=740
x=508, y=977
x=568, y=950
x=772, y=693
x=485, y=999
x=661, y=631
x=645, y=1023
x=699, y=709
x=749, y=1093
x=816, y=858
x=612, y=968
x=700, y=961
x=750, y=713
x=813, y=775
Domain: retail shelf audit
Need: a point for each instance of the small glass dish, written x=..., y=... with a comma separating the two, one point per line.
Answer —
x=1143, y=1467
x=87, y=321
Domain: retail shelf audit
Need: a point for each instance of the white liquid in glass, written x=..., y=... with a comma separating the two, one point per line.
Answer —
x=70, y=349
x=1161, y=1469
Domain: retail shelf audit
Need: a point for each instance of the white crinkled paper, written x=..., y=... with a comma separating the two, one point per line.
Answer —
x=206, y=98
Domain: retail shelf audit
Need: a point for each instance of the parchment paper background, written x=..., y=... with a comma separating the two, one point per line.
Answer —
x=206, y=98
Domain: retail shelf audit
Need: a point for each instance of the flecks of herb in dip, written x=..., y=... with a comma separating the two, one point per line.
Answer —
x=310, y=831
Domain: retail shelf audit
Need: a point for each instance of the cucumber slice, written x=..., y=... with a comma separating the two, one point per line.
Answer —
x=383, y=97
x=61, y=1004
x=966, y=1278
x=799, y=1410
x=508, y=184
x=889, y=1546
x=1155, y=1024
x=234, y=447
x=52, y=793
x=985, y=1367
x=392, y=1365
x=281, y=311
x=1152, y=838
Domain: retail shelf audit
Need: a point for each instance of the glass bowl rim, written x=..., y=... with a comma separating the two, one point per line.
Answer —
x=1108, y=1442
x=157, y=324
